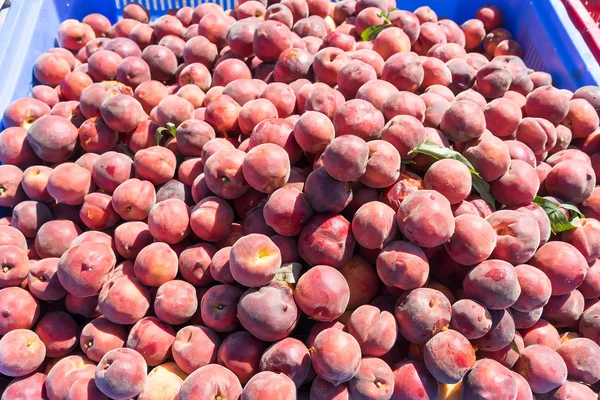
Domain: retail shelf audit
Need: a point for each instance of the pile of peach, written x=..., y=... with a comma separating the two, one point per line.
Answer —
x=237, y=204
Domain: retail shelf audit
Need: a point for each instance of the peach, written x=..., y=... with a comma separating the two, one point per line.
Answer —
x=573, y=181
x=96, y=136
x=50, y=69
x=103, y=65
x=14, y=147
x=241, y=353
x=175, y=302
x=463, y=121
x=316, y=281
x=413, y=323
x=199, y=49
x=289, y=357
x=489, y=378
x=15, y=265
x=55, y=237
x=322, y=389
x=136, y=12
x=222, y=114
x=353, y=75
x=395, y=194
x=151, y=338
x=583, y=238
x=535, y=288
x=374, y=379
x=374, y=225
x=22, y=352
x=52, y=138
x=161, y=61
x=119, y=364
x=362, y=280
x=374, y=330
x=83, y=269
x=542, y=367
x=494, y=283
x=543, y=333
x=287, y=211
x=45, y=94
x=97, y=211
x=518, y=236
x=268, y=312
x=156, y=264
x=580, y=356
x=194, y=264
x=470, y=318
x=124, y=300
x=111, y=169
x=563, y=281
x=195, y=347
x=549, y=103
x=65, y=373
x=565, y=310
x=336, y=356
x=20, y=309
x=218, y=307
x=149, y=94
x=411, y=378
x=29, y=385
x=313, y=132
x=211, y=381
x=133, y=199
x=59, y=332
x=449, y=356
x=155, y=164
x=345, y=158
x=168, y=221
x=229, y=70
x=518, y=186
x=429, y=230
x=100, y=336
x=501, y=333
x=326, y=239
x=405, y=133
x=163, y=381
x=43, y=281
x=24, y=112
x=254, y=260
x=70, y=183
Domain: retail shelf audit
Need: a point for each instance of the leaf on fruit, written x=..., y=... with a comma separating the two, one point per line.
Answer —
x=558, y=221
x=371, y=32
x=126, y=150
x=514, y=347
x=440, y=153
x=171, y=129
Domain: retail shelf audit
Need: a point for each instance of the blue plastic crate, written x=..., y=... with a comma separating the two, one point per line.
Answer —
x=550, y=41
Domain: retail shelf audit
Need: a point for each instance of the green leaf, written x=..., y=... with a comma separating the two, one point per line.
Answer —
x=572, y=208
x=514, y=347
x=158, y=135
x=483, y=188
x=440, y=153
x=126, y=150
x=406, y=161
x=385, y=16
x=558, y=221
x=371, y=32
x=170, y=129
